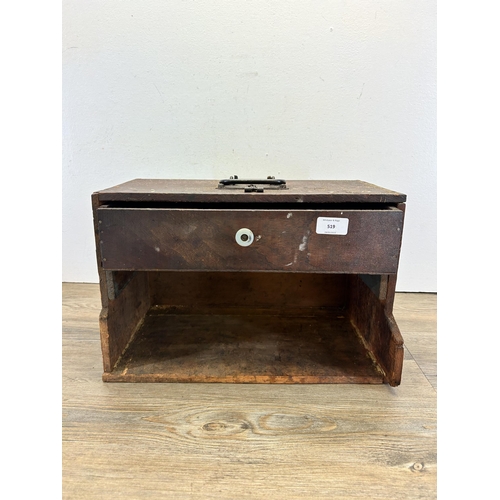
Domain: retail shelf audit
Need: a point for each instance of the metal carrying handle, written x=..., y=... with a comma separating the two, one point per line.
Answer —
x=271, y=182
x=253, y=185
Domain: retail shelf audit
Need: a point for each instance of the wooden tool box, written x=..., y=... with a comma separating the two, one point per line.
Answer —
x=249, y=281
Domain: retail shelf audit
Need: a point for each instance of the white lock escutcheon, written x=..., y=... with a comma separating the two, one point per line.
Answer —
x=244, y=237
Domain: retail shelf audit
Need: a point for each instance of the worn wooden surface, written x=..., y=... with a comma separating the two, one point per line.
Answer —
x=246, y=347
x=122, y=317
x=204, y=291
x=226, y=441
x=286, y=240
x=252, y=328
x=299, y=191
x=376, y=325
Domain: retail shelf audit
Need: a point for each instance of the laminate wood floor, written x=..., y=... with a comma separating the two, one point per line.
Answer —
x=231, y=441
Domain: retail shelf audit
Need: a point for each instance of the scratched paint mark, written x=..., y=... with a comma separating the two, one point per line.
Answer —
x=303, y=245
x=257, y=238
x=286, y=265
x=289, y=215
x=157, y=249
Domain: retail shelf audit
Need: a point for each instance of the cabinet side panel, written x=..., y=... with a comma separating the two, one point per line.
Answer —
x=377, y=328
x=122, y=318
x=102, y=274
x=103, y=288
x=396, y=352
x=392, y=278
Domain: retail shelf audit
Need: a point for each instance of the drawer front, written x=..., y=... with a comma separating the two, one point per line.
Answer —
x=282, y=240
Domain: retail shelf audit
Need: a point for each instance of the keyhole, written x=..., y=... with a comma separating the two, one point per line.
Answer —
x=244, y=237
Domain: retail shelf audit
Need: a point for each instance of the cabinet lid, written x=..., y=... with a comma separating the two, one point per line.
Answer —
x=208, y=191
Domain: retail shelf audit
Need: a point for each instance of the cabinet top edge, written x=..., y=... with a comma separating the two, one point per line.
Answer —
x=298, y=191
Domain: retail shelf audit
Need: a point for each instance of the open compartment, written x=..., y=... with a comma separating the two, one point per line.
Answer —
x=249, y=327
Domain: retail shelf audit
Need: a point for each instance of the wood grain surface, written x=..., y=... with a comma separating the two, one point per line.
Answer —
x=376, y=325
x=285, y=240
x=245, y=347
x=282, y=291
x=298, y=191
x=232, y=441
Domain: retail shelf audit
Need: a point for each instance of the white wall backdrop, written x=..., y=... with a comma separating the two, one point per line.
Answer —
x=341, y=89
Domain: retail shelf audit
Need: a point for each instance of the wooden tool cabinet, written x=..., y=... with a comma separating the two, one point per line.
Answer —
x=249, y=282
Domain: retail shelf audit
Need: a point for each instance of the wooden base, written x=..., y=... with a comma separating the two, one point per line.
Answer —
x=242, y=347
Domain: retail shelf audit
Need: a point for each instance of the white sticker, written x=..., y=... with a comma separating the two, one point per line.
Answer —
x=330, y=225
